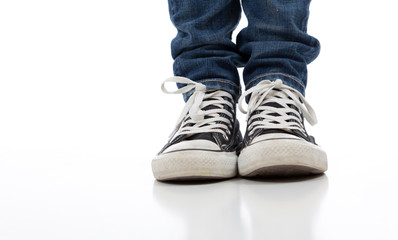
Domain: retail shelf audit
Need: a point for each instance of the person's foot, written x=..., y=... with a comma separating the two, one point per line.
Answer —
x=205, y=141
x=276, y=143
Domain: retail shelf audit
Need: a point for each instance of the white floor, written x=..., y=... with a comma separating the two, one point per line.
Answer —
x=82, y=115
x=69, y=194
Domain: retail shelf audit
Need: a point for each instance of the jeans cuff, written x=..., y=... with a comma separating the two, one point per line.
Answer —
x=218, y=84
x=286, y=79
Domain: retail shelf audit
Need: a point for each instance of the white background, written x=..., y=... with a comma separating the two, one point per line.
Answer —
x=82, y=115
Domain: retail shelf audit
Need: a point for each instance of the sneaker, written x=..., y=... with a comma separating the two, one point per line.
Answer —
x=205, y=140
x=276, y=142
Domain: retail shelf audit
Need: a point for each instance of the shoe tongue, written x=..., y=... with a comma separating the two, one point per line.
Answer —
x=203, y=136
x=272, y=104
x=267, y=131
x=260, y=132
x=206, y=135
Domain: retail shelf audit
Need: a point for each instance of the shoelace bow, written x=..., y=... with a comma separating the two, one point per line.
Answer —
x=270, y=117
x=193, y=118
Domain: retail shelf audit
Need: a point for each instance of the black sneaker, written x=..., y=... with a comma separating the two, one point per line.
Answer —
x=276, y=142
x=205, y=141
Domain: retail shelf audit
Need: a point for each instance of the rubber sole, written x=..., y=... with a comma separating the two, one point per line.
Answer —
x=190, y=165
x=282, y=158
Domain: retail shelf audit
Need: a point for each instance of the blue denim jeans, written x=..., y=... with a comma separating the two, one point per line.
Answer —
x=274, y=45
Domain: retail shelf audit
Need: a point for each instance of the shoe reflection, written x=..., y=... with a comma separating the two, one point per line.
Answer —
x=209, y=210
x=282, y=209
x=243, y=208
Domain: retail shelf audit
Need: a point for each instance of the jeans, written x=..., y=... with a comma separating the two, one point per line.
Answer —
x=274, y=45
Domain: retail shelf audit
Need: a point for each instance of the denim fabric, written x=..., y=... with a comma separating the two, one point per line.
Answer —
x=274, y=45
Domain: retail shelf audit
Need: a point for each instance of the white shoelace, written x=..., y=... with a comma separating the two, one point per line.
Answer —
x=192, y=119
x=288, y=118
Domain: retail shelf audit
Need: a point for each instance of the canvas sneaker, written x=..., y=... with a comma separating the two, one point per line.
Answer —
x=276, y=142
x=206, y=138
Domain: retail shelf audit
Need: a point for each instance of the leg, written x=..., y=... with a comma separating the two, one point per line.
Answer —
x=275, y=43
x=278, y=50
x=206, y=139
x=203, y=50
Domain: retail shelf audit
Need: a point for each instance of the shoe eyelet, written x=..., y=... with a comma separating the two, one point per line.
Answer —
x=225, y=137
